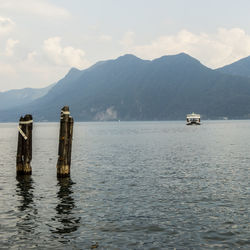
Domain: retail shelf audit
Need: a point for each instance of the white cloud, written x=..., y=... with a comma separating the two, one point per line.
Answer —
x=214, y=50
x=128, y=39
x=36, y=7
x=6, y=24
x=64, y=56
x=31, y=56
x=6, y=69
x=21, y=66
x=38, y=67
x=10, y=45
x=109, y=114
x=105, y=38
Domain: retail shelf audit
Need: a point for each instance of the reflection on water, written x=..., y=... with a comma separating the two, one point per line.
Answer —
x=68, y=223
x=24, y=189
x=27, y=209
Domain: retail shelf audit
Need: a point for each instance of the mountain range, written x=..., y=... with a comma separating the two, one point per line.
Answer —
x=129, y=88
x=18, y=97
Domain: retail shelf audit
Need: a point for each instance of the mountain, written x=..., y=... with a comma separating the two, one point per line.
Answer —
x=129, y=88
x=18, y=97
x=239, y=68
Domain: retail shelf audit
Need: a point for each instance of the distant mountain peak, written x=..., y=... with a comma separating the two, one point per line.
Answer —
x=241, y=62
x=73, y=71
x=128, y=57
x=178, y=59
x=240, y=68
x=183, y=54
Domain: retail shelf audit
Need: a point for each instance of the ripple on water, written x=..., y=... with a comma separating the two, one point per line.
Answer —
x=134, y=185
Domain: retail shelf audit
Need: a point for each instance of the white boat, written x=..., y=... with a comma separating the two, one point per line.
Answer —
x=193, y=119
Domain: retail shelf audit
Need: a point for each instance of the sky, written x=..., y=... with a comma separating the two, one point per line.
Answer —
x=40, y=40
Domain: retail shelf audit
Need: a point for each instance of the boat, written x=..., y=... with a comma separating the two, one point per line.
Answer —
x=193, y=119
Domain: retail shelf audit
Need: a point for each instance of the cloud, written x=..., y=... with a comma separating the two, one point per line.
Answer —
x=105, y=38
x=37, y=67
x=64, y=56
x=36, y=7
x=10, y=45
x=128, y=39
x=214, y=50
x=107, y=115
x=6, y=69
x=32, y=71
x=31, y=56
x=6, y=25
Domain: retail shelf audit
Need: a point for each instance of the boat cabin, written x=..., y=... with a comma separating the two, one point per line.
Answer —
x=193, y=119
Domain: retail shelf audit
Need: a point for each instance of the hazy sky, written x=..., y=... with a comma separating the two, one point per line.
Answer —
x=40, y=40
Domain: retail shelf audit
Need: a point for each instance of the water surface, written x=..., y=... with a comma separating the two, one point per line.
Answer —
x=133, y=185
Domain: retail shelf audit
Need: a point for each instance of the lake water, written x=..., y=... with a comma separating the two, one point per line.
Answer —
x=133, y=185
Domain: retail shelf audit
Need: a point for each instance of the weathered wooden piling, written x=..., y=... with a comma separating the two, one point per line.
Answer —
x=65, y=143
x=24, y=146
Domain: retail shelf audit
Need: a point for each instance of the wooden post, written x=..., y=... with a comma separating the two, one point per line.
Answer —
x=65, y=143
x=24, y=146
